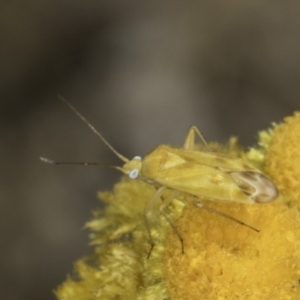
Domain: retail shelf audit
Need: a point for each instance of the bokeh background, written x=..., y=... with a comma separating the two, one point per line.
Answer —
x=142, y=72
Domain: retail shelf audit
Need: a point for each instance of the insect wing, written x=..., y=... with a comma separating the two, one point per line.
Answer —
x=193, y=172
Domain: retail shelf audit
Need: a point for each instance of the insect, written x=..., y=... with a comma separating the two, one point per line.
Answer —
x=185, y=171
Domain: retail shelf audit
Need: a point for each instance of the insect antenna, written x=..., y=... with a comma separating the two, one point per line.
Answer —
x=94, y=164
x=201, y=205
x=93, y=129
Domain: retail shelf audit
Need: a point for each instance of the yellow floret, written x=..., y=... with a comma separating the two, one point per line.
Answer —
x=283, y=156
x=224, y=260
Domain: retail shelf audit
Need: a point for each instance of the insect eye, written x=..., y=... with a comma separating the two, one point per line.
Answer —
x=133, y=174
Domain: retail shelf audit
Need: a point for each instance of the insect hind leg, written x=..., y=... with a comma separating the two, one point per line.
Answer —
x=189, y=141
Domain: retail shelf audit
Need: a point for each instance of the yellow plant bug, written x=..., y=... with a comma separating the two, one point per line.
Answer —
x=186, y=171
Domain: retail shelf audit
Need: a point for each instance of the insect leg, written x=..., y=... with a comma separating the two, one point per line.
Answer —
x=210, y=209
x=164, y=204
x=149, y=206
x=190, y=139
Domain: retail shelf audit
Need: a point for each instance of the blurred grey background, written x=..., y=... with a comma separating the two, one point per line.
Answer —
x=142, y=72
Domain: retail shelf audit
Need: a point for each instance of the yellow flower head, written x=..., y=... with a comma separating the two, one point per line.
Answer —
x=223, y=259
x=283, y=156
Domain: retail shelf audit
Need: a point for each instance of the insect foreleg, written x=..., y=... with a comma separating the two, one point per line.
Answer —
x=164, y=204
x=190, y=139
x=149, y=206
